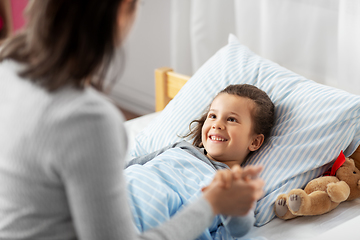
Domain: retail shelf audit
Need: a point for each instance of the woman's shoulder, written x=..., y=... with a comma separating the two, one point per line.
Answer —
x=74, y=106
x=85, y=101
x=80, y=123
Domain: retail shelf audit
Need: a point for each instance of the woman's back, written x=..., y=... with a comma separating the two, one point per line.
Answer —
x=54, y=139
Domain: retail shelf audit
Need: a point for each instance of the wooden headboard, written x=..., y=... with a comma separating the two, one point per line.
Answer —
x=168, y=83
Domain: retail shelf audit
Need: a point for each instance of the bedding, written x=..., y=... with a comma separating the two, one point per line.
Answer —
x=158, y=189
x=161, y=183
x=341, y=222
x=134, y=127
x=314, y=122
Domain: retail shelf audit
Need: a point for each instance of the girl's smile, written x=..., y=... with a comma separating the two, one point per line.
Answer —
x=217, y=138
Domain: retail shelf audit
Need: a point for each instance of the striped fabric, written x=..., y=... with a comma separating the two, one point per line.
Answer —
x=313, y=122
x=162, y=186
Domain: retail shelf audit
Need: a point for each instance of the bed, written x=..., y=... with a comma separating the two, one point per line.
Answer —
x=300, y=103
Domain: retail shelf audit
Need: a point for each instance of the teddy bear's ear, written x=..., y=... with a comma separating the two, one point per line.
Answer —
x=351, y=161
x=357, y=163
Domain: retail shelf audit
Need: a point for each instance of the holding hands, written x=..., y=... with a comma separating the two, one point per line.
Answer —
x=234, y=192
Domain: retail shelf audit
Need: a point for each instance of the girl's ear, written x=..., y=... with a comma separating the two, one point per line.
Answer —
x=257, y=142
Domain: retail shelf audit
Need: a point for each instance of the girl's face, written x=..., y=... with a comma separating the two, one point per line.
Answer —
x=227, y=134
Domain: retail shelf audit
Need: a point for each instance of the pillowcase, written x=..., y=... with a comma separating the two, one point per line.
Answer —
x=313, y=124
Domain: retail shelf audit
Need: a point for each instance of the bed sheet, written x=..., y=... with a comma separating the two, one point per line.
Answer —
x=134, y=126
x=337, y=224
x=341, y=223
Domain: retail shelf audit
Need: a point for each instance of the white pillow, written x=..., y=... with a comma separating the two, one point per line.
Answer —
x=313, y=122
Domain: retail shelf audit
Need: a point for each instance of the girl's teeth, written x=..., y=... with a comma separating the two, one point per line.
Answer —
x=217, y=139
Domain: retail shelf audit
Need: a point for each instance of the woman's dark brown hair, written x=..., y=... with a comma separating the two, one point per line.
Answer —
x=66, y=42
x=262, y=114
x=4, y=20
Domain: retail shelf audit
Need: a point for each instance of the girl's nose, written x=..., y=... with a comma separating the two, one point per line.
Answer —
x=218, y=125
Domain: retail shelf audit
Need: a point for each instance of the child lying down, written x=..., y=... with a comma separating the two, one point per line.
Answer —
x=169, y=181
x=163, y=182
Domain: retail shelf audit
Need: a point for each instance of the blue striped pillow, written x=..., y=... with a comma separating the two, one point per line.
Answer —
x=313, y=122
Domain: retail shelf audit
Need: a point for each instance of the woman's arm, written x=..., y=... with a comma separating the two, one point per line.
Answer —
x=241, y=225
x=188, y=223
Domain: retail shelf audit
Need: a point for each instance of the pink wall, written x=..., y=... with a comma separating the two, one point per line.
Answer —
x=17, y=9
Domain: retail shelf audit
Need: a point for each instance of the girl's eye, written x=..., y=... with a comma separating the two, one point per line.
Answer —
x=212, y=116
x=231, y=119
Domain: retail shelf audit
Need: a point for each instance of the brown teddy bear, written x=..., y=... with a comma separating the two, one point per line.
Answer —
x=322, y=194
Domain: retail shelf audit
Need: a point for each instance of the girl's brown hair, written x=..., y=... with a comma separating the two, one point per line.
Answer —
x=66, y=42
x=262, y=114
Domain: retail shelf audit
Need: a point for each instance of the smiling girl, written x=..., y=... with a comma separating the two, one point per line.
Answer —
x=237, y=123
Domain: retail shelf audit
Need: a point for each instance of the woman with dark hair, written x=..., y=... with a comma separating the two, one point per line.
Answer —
x=62, y=144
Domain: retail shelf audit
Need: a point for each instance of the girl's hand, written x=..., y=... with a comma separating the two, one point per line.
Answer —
x=248, y=173
x=234, y=192
x=224, y=178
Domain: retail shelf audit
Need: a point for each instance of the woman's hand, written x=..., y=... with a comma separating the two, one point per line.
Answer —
x=234, y=192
